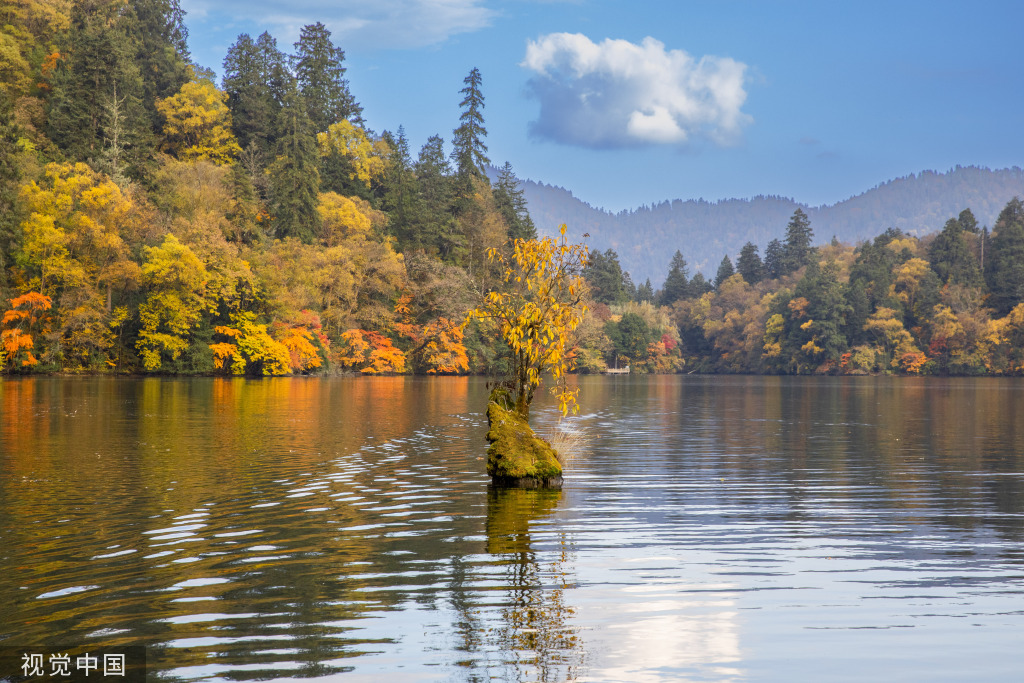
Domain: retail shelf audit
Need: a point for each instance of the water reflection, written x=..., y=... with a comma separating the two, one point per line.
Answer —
x=716, y=529
x=535, y=633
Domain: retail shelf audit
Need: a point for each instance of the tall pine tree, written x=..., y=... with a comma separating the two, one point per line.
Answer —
x=294, y=180
x=511, y=204
x=1004, y=259
x=401, y=196
x=97, y=72
x=318, y=67
x=952, y=258
x=797, y=250
x=256, y=79
x=749, y=264
x=676, y=285
x=163, y=55
x=469, y=151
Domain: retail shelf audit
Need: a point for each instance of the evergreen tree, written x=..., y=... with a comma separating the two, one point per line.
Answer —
x=858, y=309
x=725, y=271
x=749, y=264
x=469, y=151
x=817, y=335
x=874, y=268
x=98, y=70
x=604, y=275
x=511, y=203
x=645, y=292
x=10, y=233
x=401, y=196
x=256, y=79
x=797, y=251
x=774, y=256
x=294, y=180
x=439, y=233
x=631, y=337
x=163, y=55
x=628, y=286
x=1004, y=271
x=676, y=285
x=968, y=222
x=951, y=257
x=321, y=76
x=699, y=286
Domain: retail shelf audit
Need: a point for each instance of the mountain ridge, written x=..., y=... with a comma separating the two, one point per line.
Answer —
x=704, y=231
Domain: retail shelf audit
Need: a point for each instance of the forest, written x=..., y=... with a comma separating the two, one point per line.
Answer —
x=154, y=221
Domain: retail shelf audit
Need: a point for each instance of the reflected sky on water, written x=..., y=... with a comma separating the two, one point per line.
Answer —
x=710, y=529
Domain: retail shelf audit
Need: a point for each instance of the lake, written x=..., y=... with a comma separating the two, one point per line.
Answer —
x=709, y=529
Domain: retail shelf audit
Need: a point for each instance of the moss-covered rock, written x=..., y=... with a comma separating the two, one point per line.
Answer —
x=517, y=456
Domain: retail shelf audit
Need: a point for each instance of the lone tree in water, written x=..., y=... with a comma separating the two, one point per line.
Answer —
x=536, y=312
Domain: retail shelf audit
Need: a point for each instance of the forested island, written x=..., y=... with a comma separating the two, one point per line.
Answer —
x=155, y=221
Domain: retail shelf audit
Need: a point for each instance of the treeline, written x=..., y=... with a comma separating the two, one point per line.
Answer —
x=949, y=303
x=152, y=220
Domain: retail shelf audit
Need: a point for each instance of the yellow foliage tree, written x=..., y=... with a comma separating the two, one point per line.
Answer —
x=540, y=305
x=197, y=124
x=253, y=350
x=176, y=280
x=369, y=158
x=76, y=246
x=342, y=217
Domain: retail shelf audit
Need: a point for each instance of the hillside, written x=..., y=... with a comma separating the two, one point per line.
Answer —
x=645, y=238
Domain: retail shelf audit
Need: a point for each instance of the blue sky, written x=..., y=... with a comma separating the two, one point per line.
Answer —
x=633, y=103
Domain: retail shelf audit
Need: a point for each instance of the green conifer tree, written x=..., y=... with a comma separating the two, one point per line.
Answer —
x=256, y=79
x=99, y=68
x=163, y=55
x=797, y=251
x=318, y=67
x=676, y=285
x=469, y=151
x=749, y=264
x=294, y=179
x=952, y=258
x=1004, y=271
x=511, y=204
x=725, y=271
x=401, y=196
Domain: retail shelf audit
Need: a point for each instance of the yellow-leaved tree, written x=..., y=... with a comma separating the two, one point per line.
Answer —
x=197, y=124
x=536, y=311
x=176, y=280
x=368, y=158
x=76, y=250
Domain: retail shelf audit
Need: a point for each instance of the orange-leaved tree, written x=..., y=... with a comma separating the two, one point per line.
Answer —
x=305, y=340
x=536, y=310
x=29, y=314
x=370, y=353
x=443, y=352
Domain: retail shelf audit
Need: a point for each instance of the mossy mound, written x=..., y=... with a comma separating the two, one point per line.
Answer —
x=517, y=456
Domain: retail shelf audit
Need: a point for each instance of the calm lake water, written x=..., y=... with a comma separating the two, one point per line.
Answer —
x=710, y=529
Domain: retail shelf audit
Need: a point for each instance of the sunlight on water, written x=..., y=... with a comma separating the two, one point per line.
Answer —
x=710, y=529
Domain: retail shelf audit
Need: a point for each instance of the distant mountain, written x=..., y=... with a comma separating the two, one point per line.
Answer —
x=645, y=238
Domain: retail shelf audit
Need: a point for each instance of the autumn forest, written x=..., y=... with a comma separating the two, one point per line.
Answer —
x=153, y=220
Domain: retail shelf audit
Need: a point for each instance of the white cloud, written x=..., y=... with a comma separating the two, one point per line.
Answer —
x=617, y=93
x=382, y=23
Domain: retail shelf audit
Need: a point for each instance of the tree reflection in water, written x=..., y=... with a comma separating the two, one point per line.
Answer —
x=531, y=629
